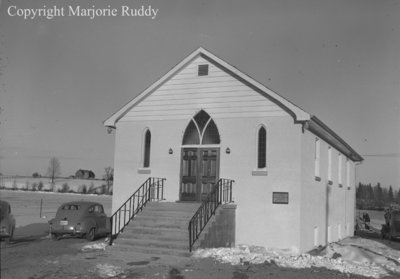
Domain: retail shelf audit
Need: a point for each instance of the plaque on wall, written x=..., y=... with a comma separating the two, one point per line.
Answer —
x=280, y=197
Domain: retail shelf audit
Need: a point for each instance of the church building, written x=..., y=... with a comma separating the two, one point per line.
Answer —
x=294, y=177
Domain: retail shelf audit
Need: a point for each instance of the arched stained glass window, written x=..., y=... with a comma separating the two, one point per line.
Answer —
x=201, y=119
x=211, y=135
x=262, y=148
x=201, y=130
x=147, y=144
x=191, y=134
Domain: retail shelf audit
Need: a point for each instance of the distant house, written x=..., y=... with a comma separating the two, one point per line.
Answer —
x=84, y=174
x=294, y=177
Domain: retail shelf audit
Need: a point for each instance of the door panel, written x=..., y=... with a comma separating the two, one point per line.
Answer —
x=200, y=170
x=209, y=158
x=189, y=174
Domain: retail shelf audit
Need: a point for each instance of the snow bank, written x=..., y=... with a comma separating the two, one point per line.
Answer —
x=94, y=246
x=108, y=270
x=344, y=257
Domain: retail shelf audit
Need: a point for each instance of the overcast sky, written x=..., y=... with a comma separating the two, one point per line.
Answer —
x=61, y=78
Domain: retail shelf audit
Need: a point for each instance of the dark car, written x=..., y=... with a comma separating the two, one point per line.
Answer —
x=81, y=219
x=391, y=228
x=7, y=223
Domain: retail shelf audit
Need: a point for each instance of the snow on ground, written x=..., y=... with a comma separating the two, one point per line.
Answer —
x=108, y=270
x=95, y=246
x=353, y=255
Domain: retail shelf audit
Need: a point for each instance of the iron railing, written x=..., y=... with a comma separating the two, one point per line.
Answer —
x=151, y=190
x=221, y=194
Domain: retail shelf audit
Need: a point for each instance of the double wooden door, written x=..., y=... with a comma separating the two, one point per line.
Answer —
x=199, y=172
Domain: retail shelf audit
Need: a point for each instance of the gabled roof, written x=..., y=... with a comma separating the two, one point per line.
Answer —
x=299, y=115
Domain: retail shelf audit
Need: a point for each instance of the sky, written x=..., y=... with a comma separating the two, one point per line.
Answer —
x=61, y=78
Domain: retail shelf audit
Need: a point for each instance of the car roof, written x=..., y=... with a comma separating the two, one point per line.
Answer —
x=81, y=203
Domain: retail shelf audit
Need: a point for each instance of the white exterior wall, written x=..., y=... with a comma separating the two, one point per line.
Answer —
x=329, y=208
x=258, y=220
x=272, y=225
x=238, y=112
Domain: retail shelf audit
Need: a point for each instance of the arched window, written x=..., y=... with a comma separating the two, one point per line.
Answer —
x=201, y=130
x=146, y=154
x=262, y=148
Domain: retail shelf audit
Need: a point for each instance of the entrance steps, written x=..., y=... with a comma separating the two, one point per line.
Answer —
x=160, y=229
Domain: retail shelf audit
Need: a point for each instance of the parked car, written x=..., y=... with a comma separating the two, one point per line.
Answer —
x=391, y=228
x=7, y=223
x=81, y=219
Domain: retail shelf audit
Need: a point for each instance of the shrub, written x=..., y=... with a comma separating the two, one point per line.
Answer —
x=40, y=186
x=91, y=190
x=64, y=188
x=34, y=186
x=26, y=187
x=82, y=189
x=102, y=189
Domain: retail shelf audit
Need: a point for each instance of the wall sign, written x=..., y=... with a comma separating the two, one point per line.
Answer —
x=280, y=197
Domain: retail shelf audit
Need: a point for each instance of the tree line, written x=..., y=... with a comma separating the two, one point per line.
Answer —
x=375, y=197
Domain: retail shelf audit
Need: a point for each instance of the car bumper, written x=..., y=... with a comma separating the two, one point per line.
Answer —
x=5, y=235
x=66, y=230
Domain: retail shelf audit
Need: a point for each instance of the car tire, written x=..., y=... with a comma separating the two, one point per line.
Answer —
x=91, y=234
x=55, y=236
x=10, y=238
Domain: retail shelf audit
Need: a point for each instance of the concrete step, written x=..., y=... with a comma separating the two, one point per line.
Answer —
x=152, y=250
x=164, y=214
x=154, y=230
x=173, y=206
x=161, y=224
x=160, y=228
x=161, y=237
x=165, y=235
x=168, y=216
x=154, y=243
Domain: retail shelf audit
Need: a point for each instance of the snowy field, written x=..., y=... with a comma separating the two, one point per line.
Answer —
x=29, y=182
x=25, y=206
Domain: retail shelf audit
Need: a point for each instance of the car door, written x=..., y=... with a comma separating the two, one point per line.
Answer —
x=101, y=218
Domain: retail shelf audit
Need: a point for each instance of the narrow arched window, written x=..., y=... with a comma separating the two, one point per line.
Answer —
x=262, y=148
x=147, y=144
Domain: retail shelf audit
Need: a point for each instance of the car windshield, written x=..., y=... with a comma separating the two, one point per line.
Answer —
x=71, y=207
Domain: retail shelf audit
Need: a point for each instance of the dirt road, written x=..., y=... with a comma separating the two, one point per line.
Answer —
x=38, y=257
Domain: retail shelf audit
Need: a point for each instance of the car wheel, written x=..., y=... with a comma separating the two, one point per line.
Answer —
x=10, y=238
x=91, y=234
x=55, y=236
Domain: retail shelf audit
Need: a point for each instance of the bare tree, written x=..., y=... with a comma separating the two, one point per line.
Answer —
x=54, y=169
x=109, y=177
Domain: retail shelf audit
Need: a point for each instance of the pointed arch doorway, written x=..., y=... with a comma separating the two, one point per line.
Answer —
x=199, y=158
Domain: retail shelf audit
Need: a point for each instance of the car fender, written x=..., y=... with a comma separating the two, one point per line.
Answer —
x=87, y=224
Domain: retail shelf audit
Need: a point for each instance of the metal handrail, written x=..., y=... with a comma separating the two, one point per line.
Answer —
x=151, y=190
x=221, y=193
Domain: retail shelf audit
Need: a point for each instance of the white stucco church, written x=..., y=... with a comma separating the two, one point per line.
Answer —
x=204, y=120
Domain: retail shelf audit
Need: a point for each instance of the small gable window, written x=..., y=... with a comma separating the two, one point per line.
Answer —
x=147, y=144
x=203, y=70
